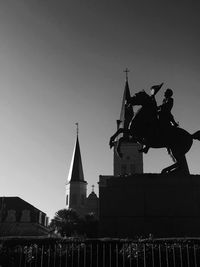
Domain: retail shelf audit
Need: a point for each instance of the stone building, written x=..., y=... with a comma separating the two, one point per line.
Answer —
x=20, y=218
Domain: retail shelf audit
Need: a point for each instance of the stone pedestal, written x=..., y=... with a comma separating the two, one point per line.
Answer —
x=143, y=204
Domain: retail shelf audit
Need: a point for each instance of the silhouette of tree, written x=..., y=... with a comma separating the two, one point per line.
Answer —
x=67, y=222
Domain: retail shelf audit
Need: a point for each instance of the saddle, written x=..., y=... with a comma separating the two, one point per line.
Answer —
x=158, y=134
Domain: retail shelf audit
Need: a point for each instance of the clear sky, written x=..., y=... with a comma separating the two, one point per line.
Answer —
x=62, y=62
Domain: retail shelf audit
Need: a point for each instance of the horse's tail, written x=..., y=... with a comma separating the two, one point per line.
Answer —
x=196, y=135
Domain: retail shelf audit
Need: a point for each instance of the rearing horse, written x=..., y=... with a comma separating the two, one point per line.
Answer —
x=146, y=129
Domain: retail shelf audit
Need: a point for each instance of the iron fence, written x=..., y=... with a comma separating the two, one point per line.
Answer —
x=100, y=253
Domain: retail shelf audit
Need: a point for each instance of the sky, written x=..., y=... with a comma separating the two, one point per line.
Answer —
x=62, y=62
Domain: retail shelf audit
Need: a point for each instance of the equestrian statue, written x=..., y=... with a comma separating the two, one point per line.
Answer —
x=154, y=127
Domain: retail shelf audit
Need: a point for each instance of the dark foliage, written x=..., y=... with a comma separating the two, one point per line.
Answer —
x=67, y=222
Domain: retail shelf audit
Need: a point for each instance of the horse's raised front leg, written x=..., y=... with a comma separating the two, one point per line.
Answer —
x=118, y=147
x=112, y=138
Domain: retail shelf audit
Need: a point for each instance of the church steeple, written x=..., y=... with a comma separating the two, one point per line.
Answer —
x=126, y=113
x=76, y=187
x=132, y=160
x=76, y=168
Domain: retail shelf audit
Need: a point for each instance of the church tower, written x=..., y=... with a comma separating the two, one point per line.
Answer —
x=76, y=187
x=132, y=160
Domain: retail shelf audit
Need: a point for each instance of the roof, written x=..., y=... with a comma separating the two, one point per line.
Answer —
x=22, y=229
x=76, y=168
x=92, y=195
x=16, y=203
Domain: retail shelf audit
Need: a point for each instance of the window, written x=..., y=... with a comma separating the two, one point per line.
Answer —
x=11, y=216
x=40, y=217
x=67, y=200
x=25, y=217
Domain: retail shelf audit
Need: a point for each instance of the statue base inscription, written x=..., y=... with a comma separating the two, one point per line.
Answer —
x=143, y=204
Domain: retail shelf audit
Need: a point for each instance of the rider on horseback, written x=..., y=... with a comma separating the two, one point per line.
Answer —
x=165, y=118
x=145, y=128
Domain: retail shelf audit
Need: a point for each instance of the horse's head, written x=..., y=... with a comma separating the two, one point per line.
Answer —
x=140, y=98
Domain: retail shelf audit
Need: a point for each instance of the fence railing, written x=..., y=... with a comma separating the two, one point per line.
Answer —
x=100, y=253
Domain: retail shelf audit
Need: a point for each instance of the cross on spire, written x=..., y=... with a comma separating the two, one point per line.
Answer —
x=126, y=71
x=77, y=129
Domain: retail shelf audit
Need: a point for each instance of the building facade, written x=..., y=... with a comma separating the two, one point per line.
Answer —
x=20, y=218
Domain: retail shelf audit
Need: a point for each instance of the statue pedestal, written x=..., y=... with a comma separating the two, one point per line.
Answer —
x=143, y=204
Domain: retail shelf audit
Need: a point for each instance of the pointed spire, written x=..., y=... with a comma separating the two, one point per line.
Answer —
x=77, y=129
x=76, y=168
x=126, y=113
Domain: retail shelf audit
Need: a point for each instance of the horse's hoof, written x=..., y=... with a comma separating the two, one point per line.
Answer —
x=143, y=150
x=164, y=171
x=111, y=144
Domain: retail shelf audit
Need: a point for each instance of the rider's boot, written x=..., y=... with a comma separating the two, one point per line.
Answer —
x=111, y=143
x=119, y=153
x=144, y=149
x=175, y=124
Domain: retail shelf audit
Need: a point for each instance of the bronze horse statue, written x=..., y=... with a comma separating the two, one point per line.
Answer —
x=146, y=129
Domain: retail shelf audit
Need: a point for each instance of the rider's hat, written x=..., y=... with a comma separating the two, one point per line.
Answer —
x=155, y=89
